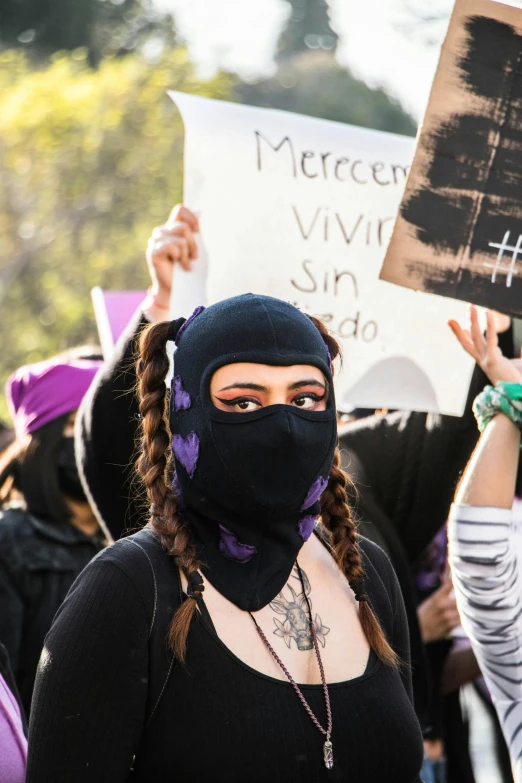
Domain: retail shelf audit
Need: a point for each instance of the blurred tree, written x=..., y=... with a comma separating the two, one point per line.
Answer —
x=314, y=83
x=308, y=27
x=90, y=161
x=104, y=27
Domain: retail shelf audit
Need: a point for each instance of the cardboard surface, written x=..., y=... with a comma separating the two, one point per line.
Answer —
x=459, y=229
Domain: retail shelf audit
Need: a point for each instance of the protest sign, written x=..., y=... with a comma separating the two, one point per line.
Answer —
x=302, y=209
x=113, y=311
x=458, y=232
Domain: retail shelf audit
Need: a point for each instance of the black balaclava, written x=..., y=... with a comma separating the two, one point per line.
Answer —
x=249, y=483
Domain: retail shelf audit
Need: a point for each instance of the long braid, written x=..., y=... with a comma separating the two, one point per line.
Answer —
x=337, y=519
x=155, y=467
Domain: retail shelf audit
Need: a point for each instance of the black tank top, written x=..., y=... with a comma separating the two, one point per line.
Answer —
x=217, y=718
x=231, y=723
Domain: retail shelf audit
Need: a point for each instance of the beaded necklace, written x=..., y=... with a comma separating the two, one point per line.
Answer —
x=327, y=747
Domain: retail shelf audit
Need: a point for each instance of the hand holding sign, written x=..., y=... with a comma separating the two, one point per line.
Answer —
x=172, y=243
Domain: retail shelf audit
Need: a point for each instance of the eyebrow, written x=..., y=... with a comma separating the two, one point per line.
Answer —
x=257, y=387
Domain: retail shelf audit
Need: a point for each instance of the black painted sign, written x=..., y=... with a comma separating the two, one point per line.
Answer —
x=459, y=228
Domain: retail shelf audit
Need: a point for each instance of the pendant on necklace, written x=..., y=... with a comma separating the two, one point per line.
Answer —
x=328, y=753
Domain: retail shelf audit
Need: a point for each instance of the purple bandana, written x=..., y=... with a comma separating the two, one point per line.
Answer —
x=40, y=393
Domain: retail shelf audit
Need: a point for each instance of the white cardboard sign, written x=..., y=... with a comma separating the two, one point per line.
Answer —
x=302, y=209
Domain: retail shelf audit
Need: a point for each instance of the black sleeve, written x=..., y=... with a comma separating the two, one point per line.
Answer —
x=11, y=614
x=89, y=701
x=106, y=436
x=412, y=463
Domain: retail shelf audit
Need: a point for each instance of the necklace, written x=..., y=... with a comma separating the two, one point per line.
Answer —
x=327, y=747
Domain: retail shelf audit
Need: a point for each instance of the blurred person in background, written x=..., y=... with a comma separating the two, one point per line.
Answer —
x=7, y=436
x=48, y=532
x=13, y=728
x=406, y=466
x=108, y=417
x=485, y=532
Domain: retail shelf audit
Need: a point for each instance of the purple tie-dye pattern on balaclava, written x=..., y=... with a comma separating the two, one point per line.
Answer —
x=199, y=309
x=306, y=526
x=182, y=400
x=231, y=548
x=186, y=450
x=315, y=492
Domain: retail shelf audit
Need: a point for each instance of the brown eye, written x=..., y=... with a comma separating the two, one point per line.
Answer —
x=241, y=404
x=307, y=401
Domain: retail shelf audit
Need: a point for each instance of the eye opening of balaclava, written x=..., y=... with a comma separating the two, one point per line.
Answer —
x=249, y=482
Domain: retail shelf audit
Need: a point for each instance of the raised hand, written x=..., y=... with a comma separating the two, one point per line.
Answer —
x=172, y=243
x=485, y=349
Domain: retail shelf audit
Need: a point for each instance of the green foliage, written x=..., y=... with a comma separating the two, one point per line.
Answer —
x=90, y=162
x=314, y=83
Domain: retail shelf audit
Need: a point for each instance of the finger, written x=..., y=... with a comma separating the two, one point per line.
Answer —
x=452, y=620
x=502, y=321
x=170, y=248
x=450, y=606
x=184, y=253
x=192, y=245
x=476, y=332
x=464, y=338
x=183, y=214
x=446, y=587
x=182, y=229
x=491, y=333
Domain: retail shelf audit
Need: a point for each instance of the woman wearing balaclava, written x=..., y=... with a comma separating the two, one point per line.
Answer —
x=47, y=530
x=247, y=633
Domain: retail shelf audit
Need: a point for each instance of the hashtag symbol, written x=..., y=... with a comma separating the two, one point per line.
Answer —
x=498, y=267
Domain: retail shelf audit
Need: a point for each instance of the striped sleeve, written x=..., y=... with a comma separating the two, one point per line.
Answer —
x=484, y=558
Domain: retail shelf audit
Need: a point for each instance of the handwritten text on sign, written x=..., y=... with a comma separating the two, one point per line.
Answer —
x=303, y=209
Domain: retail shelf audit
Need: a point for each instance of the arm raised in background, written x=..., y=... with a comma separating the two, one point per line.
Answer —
x=108, y=419
x=412, y=461
x=484, y=546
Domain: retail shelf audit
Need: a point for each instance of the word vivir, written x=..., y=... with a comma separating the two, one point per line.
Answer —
x=312, y=164
x=325, y=225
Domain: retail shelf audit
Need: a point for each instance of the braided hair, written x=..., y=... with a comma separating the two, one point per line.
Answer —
x=336, y=517
x=155, y=466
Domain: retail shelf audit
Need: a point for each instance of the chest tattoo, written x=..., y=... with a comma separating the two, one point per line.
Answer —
x=293, y=607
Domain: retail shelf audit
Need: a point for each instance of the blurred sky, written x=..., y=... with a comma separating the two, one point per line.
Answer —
x=385, y=42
